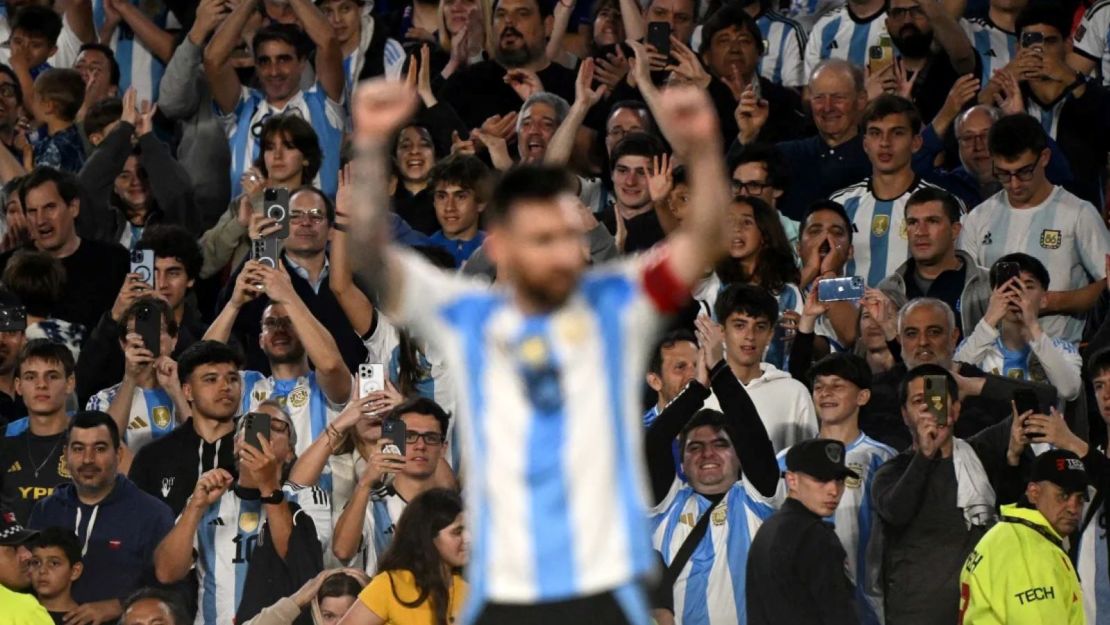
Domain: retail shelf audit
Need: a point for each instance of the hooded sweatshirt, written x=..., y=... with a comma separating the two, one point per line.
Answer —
x=784, y=405
x=118, y=536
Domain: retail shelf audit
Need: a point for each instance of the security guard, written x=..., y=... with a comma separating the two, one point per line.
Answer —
x=1020, y=573
x=796, y=564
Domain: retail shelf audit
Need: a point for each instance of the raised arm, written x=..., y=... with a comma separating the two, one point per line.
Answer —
x=158, y=41
x=79, y=17
x=561, y=146
x=329, y=56
x=951, y=37
x=354, y=303
x=174, y=555
x=222, y=79
x=245, y=289
x=633, y=18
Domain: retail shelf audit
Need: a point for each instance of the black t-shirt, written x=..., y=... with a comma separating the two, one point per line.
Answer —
x=58, y=617
x=30, y=467
x=931, y=88
x=11, y=408
x=167, y=468
x=644, y=231
x=480, y=92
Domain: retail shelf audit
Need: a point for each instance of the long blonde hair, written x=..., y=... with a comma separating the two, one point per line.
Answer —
x=486, y=9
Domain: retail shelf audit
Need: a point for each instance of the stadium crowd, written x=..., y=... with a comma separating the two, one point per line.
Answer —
x=693, y=312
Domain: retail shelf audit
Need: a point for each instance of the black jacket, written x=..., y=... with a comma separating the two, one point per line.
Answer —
x=167, y=468
x=796, y=572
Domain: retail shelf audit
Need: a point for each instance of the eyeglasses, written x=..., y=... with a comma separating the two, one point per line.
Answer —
x=431, y=439
x=748, y=187
x=902, y=13
x=279, y=426
x=7, y=90
x=1025, y=174
x=970, y=140
x=618, y=133
x=312, y=215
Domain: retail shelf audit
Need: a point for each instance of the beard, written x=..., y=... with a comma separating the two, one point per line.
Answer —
x=514, y=58
x=293, y=355
x=912, y=43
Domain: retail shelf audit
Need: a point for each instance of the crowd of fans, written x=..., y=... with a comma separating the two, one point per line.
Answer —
x=886, y=403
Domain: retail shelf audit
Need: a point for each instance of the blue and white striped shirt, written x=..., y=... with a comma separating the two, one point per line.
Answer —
x=841, y=35
x=784, y=43
x=1092, y=38
x=307, y=404
x=152, y=414
x=994, y=46
x=138, y=66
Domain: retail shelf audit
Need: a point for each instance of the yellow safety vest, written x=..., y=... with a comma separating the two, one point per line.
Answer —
x=1019, y=574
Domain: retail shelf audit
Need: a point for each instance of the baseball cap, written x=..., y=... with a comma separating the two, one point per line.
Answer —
x=11, y=532
x=1063, y=468
x=821, y=458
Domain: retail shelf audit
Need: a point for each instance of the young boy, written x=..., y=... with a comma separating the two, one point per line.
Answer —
x=458, y=186
x=55, y=102
x=55, y=565
x=1009, y=340
x=33, y=42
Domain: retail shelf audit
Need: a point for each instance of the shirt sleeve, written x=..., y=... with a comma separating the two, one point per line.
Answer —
x=975, y=346
x=1093, y=241
x=376, y=595
x=101, y=400
x=426, y=290
x=1090, y=36
x=813, y=48
x=968, y=240
x=793, y=58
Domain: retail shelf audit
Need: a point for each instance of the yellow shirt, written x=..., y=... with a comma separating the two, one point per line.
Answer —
x=21, y=609
x=382, y=593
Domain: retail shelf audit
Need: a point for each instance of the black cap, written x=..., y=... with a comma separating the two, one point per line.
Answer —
x=11, y=532
x=1063, y=468
x=820, y=458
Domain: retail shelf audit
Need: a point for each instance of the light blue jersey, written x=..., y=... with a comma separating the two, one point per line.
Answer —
x=839, y=35
x=784, y=44
x=307, y=404
x=152, y=416
x=138, y=66
x=1093, y=568
x=994, y=46
x=1092, y=38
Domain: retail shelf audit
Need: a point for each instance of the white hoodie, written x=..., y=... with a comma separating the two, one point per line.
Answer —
x=784, y=405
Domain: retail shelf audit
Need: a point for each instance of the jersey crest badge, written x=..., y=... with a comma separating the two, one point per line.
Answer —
x=63, y=470
x=1050, y=239
x=248, y=521
x=854, y=482
x=161, y=417
x=880, y=224
x=720, y=515
x=299, y=397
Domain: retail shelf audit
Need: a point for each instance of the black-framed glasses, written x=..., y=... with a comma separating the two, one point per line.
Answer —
x=431, y=439
x=748, y=187
x=972, y=139
x=1025, y=174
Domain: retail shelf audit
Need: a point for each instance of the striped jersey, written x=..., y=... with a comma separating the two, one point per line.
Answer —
x=840, y=35
x=378, y=524
x=1092, y=38
x=784, y=44
x=710, y=588
x=138, y=66
x=857, y=524
x=1064, y=232
x=304, y=400
x=152, y=414
x=806, y=12
x=227, y=535
x=879, y=244
x=549, y=423
x=244, y=124
x=1093, y=568
x=393, y=57
x=994, y=45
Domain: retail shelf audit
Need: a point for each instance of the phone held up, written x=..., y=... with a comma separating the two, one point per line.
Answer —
x=936, y=398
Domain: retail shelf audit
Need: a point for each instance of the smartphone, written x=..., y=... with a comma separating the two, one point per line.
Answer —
x=936, y=397
x=258, y=424
x=880, y=56
x=1025, y=400
x=275, y=205
x=840, y=289
x=265, y=251
x=371, y=378
x=394, y=430
x=659, y=36
x=148, y=324
x=142, y=263
x=1005, y=271
x=1030, y=39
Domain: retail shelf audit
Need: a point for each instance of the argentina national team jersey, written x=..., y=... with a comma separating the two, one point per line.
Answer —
x=138, y=66
x=382, y=514
x=994, y=46
x=548, y=420
x=710, y=588
x=879, y=244
x=1091, y=563
x=1064, y=232
x=304, y=400
x=784, y=44
x=840, y=35
x=227, y=535
x=1092, y=38
x=393, y=57
x=152, y=414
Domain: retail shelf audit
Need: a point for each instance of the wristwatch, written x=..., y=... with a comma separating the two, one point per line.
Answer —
x=277, y=496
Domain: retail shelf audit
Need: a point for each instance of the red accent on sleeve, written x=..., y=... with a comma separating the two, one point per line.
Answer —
x=664, y=289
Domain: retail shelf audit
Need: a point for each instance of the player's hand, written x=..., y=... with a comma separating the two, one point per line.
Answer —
x=689, y=121
x=380, y=108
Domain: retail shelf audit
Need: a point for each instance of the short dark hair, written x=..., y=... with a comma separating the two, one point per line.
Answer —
x=670, y=339
x=886, y=105
x=1025, y=263
x=747, y=299
x=921, y=371
x=635, y=144
x=524, y=183
x=437, y=256
x=62, y=538
x=843, y=365
x=731, y=14
x=424, y=406
x=10, y=73
x=285, y=33
x=102, y=114
x=48, y=351
x=167, y=598
x=340, y=584
x=173, y=241
x=924, y=195
x=329, y=205
x=546, y=8
x=636, y=105
x=706, y=416
x=113, y=65
x=1098, y=363
x=469, y=172
x=301, y=134
x=65, y=182
x=92, y=419
x=142, y=303
x=778, y=171
x=206, y=353
x=1046, y=14
x=38, y=279
x=38, y=21
x=1014, y=135
x=832, y=207
x=63, y=87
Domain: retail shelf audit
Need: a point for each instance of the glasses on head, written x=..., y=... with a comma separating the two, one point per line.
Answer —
x=312, y=215
x=431, y=439
x=969, y=140
x=902, y=13
x=7, y=90
x=1025, y=174
x=748, y=187
x=274, y=323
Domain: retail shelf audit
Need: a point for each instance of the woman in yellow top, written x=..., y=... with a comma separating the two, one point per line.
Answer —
x=419, y=580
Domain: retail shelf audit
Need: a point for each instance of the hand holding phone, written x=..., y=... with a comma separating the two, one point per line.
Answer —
x=659, y=36
x=275, y=205
x=936, y=398
x=148, y=325
x=142, y=264
x=395, y=431
x=371, y=378
x=840, y=289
